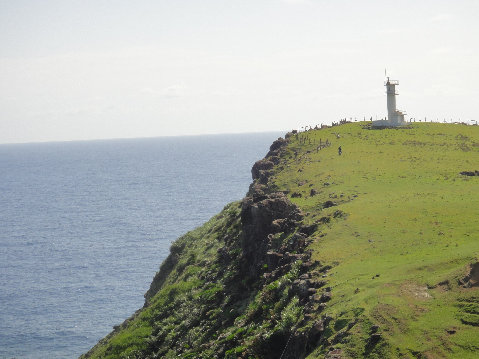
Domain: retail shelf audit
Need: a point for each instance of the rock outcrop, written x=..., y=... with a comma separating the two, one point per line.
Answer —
x=262, y=216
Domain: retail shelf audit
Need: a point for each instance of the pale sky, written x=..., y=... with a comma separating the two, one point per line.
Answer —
x=88, y=69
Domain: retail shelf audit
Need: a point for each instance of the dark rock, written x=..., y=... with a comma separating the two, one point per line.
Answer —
x=282, y=225
x=264, y=176
x=273, y=259
x=309, y=230
x=322, y=306
x=324, y=220
x=373, y=340
x=276, y=145
x=311, y=291
x=289, y=258
x=300, y=287
x=334, y=354
x=313, y=192
x=257, y=191
x=289, y=134
x=470, y=173
x=325, y=297
x=307, y=265
x=261, y=216
x=325, y=268
x=296, y=195
x=274, y=159
x=328, y=204
x=261, y=165
x=318, y=327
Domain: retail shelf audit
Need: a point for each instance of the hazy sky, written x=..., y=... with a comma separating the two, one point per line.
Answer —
x=107, y=69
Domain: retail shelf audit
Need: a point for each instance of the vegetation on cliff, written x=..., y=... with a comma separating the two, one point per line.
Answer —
x=372, y=253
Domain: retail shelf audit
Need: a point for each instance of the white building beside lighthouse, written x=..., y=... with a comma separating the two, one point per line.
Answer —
x=395, y=117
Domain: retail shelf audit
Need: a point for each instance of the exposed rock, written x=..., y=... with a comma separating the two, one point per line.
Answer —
x=308, y=265
x=301, y=287
x=274, y=159
x=276, y=145
x=339, y=214
x=261, y=216
x=334, y=354
x=321, y=307
x=472, y=277
x=324, y=220
x=318, y=327
x=309, y=230
x=325, y=297
x=470, y=173
x=273, y=259
x=328, y=204
x=261, y=166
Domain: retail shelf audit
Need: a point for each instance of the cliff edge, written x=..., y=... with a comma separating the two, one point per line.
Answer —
x=369, y=253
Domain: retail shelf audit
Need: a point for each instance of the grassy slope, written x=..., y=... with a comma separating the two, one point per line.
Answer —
x=412, y=223
x=181, y=298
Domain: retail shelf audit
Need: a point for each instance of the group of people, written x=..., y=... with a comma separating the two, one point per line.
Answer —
x=303, y=139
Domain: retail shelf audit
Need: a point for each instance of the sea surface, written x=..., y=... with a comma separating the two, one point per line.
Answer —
x=85, y=225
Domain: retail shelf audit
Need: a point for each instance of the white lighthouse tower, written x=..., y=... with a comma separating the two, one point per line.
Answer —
x=395, y=117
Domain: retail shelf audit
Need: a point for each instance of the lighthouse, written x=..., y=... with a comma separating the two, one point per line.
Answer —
x=395, y=117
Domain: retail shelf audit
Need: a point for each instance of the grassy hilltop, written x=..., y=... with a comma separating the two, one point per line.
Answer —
x=411, y=232
x=370, y=254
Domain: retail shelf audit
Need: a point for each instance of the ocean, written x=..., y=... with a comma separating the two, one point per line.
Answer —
x=85, y=225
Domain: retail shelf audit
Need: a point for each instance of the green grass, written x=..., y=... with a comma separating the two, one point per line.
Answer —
x=411, y=222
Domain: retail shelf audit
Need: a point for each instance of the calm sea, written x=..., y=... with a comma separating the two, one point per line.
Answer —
x=84, y=227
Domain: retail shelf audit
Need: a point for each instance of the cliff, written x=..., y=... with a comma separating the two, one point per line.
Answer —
x=371, y=253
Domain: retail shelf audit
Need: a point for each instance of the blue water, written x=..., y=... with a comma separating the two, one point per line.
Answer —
x=84, y=227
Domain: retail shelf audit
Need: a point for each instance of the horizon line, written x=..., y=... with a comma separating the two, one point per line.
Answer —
x=142, y=137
